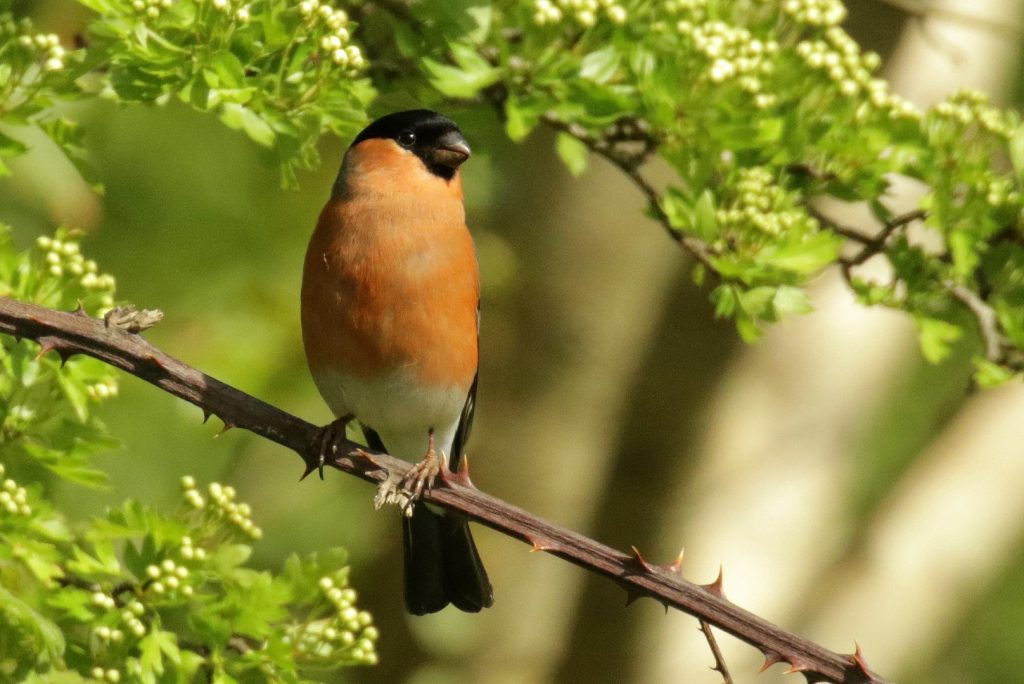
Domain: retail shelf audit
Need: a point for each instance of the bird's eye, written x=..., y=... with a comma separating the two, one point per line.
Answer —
x=406, y=138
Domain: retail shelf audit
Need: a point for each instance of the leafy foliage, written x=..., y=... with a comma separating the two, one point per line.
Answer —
x=761, y=107
x=137, y=594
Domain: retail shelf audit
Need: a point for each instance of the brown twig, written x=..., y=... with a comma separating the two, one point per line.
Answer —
x=75, y=333
x=985, y=315
x=720, y=667
x=630, y=164
x=871, y=245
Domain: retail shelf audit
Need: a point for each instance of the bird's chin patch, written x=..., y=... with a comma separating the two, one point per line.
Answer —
x=445, y=172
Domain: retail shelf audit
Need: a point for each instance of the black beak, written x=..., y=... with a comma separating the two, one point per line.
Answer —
x=450, y=151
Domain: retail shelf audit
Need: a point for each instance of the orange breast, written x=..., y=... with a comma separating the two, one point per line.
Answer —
x=391, y=281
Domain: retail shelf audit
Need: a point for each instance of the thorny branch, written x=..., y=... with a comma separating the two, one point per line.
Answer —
x=68, y=334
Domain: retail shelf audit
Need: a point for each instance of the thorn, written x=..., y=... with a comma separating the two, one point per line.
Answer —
x=859, y=662
x=539, y=545
x=797, y=665
x=44, y=347
x=716, y=586
x=633, y=596
x=641, y=562
x=769, y=660
x=462, y=475
x=227, y=426
x=676, y=566
x=206, y=415
x=156, y=362
x=80, y=310
x=48, y=344
x=310, y=467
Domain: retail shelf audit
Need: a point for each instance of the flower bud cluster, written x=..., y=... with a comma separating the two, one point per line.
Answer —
x=971, y=107
x=64, y=257
x=238, y=514
x=104, y=389
x=240, y=13
x=48, y=48
x=107, y=635
x=1000, y=192
x=840, y=58
x=109, y=675
x=762, y=204
x=349, y=632
x=13, y=499
x=820, y=13
x=220, y=506
x=131, y=616
x=192, y=496
x=18, y=419
x=586, y=13
x=733, y=54
x=151, y=8
x=334, y=29
x=168, y=579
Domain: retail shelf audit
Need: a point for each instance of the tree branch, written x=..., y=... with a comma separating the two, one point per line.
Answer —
x=630, y=164
x=76, y=333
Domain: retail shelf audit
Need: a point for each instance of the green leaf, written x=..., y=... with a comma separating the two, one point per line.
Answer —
x=677, y=208
x=989, y=375
x=705, y=223
x=472, y=74
x=229, y=69
x=519, y=120
x=573, y=153
x=241, y=117
x=757, y=301
x=936, y=337
x=804, y=257
x=600, y=66
x=153, y=647
x=791, y=300
x=1017, y=150
x=22, y=626
x=9, y=147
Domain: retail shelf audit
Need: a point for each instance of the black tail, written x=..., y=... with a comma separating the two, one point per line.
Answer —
x=442, y=565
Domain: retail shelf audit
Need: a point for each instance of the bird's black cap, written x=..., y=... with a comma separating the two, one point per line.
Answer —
x=434, y=138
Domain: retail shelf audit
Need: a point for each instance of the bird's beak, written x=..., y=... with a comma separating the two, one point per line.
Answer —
x=451, y=150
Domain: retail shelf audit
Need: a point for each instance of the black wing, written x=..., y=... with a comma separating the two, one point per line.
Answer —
x=466, y=419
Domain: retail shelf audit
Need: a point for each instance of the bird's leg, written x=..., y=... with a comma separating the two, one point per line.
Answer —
x=325, y=445
x=407, y=490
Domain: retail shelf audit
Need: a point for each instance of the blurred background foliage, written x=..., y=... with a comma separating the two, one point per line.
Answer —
x=850, y=490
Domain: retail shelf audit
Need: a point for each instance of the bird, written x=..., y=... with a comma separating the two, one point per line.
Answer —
x=390, y=310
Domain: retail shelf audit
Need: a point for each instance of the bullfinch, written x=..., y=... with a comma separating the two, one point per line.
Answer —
x=390, y=323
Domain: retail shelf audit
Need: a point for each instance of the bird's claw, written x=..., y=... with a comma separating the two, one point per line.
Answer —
x=326, y=443
x=406, y=490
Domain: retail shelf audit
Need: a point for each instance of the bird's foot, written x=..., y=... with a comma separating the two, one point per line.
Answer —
x=325, y=446
x=406, y=490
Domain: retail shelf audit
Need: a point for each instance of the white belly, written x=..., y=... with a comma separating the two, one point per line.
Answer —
x=399, y=410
